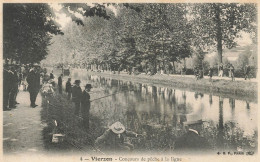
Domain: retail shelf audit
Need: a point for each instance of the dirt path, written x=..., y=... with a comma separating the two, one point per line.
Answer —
x=22, y=127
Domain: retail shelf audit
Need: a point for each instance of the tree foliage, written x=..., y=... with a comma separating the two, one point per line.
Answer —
x=29, y=27
x=218, y=24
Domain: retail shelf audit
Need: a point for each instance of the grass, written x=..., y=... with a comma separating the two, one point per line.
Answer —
x=58, y=108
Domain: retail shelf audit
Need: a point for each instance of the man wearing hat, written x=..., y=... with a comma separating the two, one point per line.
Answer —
x=33, y=80
x=114, y=138
x=76, y=96
x=85, y=105
x=191, y=140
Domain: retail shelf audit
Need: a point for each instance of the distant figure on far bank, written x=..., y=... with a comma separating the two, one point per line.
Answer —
x=85, y=105
x=33, y=80
x=114, y=138
x=247, y=72
x=210, y=74
x=60, y=83
x=68, y=88
x=76, y=96
x=221, y=70
x=192, y=140
x=232, y=72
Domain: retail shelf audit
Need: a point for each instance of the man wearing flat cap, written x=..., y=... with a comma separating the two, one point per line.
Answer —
x=76, y=96
x=115, y=138
x=85, y=105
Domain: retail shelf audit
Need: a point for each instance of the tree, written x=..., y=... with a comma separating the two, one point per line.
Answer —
x=218, y=24
x=27, y=31
x=28, y=28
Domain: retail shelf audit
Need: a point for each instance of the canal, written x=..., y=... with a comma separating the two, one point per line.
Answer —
x=160, y=114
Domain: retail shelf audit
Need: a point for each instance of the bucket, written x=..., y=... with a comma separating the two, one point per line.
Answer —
x=57, y=138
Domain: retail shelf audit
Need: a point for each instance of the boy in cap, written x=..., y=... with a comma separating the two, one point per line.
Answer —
x=114, y=138
x=76, y=96
x=85, y=105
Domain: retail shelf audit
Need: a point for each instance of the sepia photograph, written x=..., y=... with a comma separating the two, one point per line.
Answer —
x=129, y=81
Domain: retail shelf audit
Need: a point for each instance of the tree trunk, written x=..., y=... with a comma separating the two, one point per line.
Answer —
x=173, y=67
x=219, y=33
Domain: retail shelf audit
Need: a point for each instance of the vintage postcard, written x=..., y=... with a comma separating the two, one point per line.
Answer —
x=129, y=81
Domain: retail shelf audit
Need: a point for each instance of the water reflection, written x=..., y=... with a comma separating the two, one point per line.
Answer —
x=160, y=113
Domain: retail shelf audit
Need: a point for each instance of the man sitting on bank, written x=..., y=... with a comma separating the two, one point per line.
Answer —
x=115, y=138
x=192, y=141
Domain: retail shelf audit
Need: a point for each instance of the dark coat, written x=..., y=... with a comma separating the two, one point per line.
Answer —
x=60, y=81
x=76, y=93
x=68, y=87
x=33, y=80
x=51, y=76
x=191, y=141
x=7, y=80
x=85, y=102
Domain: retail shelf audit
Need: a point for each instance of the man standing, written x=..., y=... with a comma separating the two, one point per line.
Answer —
x=247, y=71
x=221, y=70
x=68, y=88
x=60, y=83
x=6, y=87
x=33, y=80
x=85, y=105
x=76, y=96
x=232, y=72
x=14, y=84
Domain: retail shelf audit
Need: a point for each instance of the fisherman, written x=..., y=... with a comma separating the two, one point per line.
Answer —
x=85, y=105
x=60, y=83
x=192, y=140
x=76, y=96
x=33, y=80
x=68, y=88
x=115, y=138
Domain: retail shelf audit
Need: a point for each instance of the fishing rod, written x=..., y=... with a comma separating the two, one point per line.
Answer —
x=110, y=95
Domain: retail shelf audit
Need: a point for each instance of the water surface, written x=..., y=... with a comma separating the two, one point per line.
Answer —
x=160, y=114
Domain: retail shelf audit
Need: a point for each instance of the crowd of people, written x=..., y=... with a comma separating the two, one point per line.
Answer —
x=11, y=80
x=198, y=73
x=14, y=76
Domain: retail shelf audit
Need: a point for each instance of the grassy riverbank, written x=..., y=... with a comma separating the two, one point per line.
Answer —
x=77, y=139
x=244, y=90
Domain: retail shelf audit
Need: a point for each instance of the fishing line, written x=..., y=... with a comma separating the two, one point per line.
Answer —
x=110, y=95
